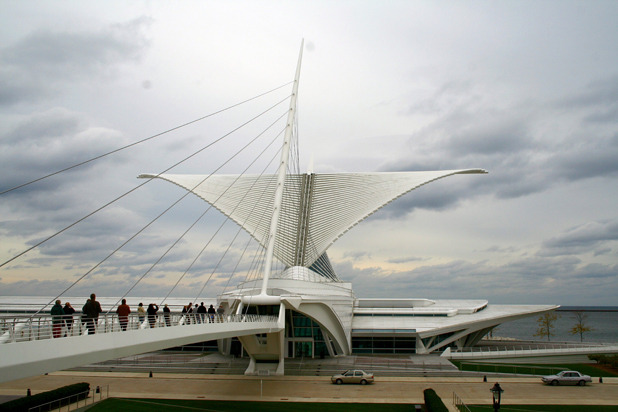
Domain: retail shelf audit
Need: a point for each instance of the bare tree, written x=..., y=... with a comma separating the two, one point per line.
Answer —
x=580, y=326
x=546, y=325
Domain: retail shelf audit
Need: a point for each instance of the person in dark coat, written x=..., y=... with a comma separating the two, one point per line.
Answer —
x=201, y=313
x=68, y=317
x=187, y=311
x=123, y=312
x=57, y=319
x=152, y=314
x=167, y=314
x=92, y=309
x=220, y=313
x=211, y=314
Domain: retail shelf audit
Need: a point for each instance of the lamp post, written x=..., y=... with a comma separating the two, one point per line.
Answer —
x=496, y=391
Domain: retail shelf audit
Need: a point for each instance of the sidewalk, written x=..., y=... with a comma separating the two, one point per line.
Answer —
x=319, y=388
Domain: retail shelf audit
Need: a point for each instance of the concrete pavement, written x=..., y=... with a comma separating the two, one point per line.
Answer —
x=319, y=388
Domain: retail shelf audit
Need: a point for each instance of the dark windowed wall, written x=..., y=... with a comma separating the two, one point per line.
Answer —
x=300, y=326
x=261, y=310
x=383, y=344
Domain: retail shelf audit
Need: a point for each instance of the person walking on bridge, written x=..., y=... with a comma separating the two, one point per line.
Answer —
x=167, y=314
x=123, y=311
x=187, y=311
x=152, y=310
x=141, y=313
x=57, y=319
x=211, y=314
x=201, y=313
x=220, y=312
x=91, y=310
x=68, y=317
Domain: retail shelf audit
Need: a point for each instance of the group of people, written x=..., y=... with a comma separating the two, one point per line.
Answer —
x=124, y=310
x=198, y=314
x=63, y=316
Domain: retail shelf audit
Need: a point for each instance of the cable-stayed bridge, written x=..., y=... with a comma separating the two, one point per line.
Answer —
x=38, y=343
x=28, y=345
x=292, y=218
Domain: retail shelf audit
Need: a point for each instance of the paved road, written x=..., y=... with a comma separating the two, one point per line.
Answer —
x=319, y=388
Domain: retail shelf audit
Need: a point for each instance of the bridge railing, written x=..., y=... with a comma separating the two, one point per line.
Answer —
x=23, y=327
x=528, y=347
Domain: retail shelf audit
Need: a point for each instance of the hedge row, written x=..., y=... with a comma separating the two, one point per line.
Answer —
x=54, y=396
x=609, y=360
x=433, y=403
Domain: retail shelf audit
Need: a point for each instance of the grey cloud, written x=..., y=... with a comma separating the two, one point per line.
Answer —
x=581, y=239
x=406, y=259
x=44, y=62
x=45, y=142
x=599, y=94
x=561, y=280
x=515, y=144
x=591, y=157
x=598, y=271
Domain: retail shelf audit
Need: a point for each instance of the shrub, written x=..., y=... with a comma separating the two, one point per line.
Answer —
x=433, y=403
x=53, y=396
x=610, y=360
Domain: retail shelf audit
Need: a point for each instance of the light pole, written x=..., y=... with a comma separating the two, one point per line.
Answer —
x=496, y=391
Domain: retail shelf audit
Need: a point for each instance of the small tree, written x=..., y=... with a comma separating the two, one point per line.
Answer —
x=580, y=326
x=546, y=325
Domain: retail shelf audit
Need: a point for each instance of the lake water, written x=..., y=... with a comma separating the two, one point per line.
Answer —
x=602, y=320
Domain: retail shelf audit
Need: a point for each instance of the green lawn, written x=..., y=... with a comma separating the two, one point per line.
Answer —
x=545, y=408
x=541, y=369
x=155, y=405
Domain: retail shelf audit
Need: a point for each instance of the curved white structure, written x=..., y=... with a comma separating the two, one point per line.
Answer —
x=323, y=317
x=317, y=209
x=297, y=217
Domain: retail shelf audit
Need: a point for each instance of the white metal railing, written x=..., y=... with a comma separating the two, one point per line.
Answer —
x=529, y=347
x=459, y=403
x=23, y=327
x=529, y=350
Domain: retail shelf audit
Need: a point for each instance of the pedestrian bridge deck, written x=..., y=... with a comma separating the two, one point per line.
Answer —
x=28, y=346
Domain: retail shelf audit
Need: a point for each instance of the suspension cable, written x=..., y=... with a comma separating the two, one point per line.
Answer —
x=143, y=140
x=141, y=184
x=204, y=213
x=152, y=221
x=238, y=203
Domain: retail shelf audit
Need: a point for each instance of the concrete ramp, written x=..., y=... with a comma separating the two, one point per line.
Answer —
x=23, y=359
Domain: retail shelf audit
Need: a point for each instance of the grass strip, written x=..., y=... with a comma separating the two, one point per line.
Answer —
x=545, y=408
x=177, y=405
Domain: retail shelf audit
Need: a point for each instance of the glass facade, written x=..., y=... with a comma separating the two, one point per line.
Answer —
x=304, y=336
x=384, y=344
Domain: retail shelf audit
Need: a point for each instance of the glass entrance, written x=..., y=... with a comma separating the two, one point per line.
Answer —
x=303, y=349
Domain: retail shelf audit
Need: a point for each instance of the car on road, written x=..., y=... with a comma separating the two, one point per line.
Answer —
x=567, y=378
x=352, y=376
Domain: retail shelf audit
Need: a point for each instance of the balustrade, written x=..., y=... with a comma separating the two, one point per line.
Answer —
x=23, y=327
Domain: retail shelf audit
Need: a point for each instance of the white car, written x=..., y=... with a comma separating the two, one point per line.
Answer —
x=567, y=378
x=352, y=376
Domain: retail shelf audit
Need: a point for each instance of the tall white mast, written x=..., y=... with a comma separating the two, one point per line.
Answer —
x=283, y=165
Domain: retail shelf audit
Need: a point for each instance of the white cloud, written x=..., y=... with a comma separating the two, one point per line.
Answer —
x=527, y=91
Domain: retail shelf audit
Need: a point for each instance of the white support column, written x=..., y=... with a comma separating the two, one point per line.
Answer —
x=285, y=153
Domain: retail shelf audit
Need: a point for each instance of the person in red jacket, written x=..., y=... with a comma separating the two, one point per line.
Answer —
x=123, y=314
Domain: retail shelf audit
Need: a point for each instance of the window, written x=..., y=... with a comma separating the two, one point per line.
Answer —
x=383, y=344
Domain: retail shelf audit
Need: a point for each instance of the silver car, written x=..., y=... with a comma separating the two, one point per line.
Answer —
x=567, y=378
x=352, y=376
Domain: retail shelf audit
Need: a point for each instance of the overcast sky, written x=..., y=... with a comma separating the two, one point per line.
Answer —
x=527, y=90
